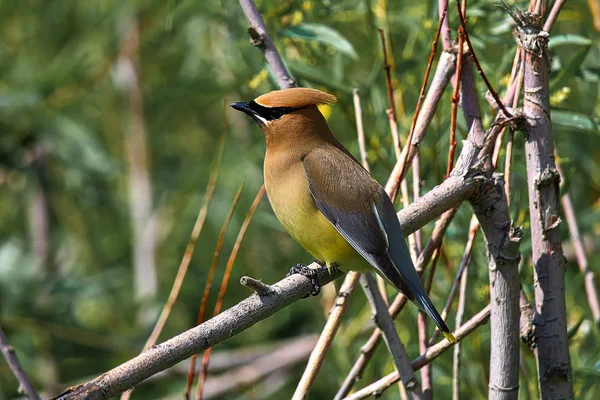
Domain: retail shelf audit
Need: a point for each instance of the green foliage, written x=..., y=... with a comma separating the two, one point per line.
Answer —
x=64, y=120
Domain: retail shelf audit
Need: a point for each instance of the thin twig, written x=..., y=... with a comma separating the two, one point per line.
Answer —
x=189, y=250
x=360, y=130
x=378, y=387
x=401, y=164
x=391, y=113
x=426, y=371
x=211, y=273
x=13, y=362
x=422, y=118
x=463, y=28
x=588, y=275
x=460, y=312
x=553, y=14
x=473, y=228
x=326, y=337
x=511, y=135
x=225, y=282
x=455, y=100
x=261, y=289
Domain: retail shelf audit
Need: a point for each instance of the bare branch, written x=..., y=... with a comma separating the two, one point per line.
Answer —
x=261, y=39
x=11, y=358
x=360, y=130
x=591, y=289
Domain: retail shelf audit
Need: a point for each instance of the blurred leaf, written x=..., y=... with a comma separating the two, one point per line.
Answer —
x=322, y=34
x=574, y=122
x=318, y=75
x=569, y=40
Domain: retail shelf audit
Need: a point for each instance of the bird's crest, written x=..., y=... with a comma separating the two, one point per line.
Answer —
x=295, y=98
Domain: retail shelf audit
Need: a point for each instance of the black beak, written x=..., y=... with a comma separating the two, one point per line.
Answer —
x=243, y=107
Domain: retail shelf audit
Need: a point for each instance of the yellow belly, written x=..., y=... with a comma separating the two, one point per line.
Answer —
x=294, y=207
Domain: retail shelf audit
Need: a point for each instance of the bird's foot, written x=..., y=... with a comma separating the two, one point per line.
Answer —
x=310, y=273
x=333, y=267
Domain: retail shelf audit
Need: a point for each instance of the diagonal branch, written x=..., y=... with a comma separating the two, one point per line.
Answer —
x=376, y=388
x=15, y=366
x=261, y=39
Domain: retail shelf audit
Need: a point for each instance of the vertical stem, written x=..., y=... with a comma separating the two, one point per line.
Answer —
x=552, y=352
x=360, y=131
x=588, y=275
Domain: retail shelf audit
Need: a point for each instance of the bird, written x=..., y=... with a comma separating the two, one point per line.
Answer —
x=326, y=200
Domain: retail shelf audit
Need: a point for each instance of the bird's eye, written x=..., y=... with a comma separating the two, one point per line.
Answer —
x=275, y=114
x=270, y=113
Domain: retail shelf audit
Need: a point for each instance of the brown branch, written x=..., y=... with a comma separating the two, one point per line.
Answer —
x=13, y=362
x=261, y=39
x=377, y=388
x=552, y=352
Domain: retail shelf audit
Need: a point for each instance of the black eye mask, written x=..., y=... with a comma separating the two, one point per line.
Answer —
x=270, y=113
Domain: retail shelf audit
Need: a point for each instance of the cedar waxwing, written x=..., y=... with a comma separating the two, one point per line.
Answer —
x=326, y=200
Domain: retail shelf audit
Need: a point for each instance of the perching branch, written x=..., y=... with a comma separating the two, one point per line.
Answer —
x=464, y=183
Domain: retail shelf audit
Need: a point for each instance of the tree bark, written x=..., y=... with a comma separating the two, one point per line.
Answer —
x=552, y=351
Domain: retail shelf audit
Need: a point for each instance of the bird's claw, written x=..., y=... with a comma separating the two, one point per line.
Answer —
x=311, y=274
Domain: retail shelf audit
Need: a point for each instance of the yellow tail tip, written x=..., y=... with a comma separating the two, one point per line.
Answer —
x=450, y=337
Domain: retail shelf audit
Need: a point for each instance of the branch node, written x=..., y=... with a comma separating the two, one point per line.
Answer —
x=260, y=288
x=256, y=39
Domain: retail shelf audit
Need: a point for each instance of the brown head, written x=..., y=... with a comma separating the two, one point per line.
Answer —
x=289, y=114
